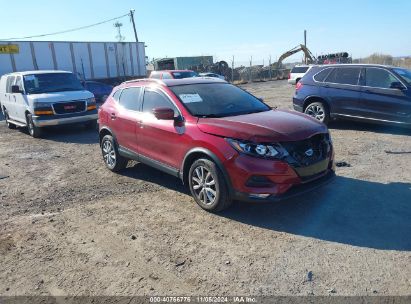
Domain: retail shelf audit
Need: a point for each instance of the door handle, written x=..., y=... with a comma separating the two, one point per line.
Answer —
x=113, y=116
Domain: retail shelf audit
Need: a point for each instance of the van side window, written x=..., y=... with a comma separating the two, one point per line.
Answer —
x=19, y=83
x=379, y=78
x=130, y=98
x=9, y=83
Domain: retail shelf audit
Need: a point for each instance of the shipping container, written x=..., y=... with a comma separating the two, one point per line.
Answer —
x=88, y=60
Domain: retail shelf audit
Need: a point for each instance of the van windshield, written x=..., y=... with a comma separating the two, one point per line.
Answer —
x=51, y=82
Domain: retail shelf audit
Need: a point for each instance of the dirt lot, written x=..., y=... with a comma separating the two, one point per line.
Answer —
x=68, y=226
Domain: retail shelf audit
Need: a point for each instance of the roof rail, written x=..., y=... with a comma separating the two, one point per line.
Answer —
x=145, y=79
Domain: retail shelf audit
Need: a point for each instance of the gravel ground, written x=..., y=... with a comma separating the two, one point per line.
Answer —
x=68, y=226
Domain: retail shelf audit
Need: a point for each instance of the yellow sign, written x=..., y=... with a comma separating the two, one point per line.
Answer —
x=9, y=49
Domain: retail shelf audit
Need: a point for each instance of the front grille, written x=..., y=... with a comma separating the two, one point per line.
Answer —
x=69, y=107
x=309, y=151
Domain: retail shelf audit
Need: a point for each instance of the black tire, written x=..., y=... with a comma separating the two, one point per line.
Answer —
x=91, y=125
x=8, y=123
x=113, y=160
x=318, y=110
x=201, y=171
x=31, y=128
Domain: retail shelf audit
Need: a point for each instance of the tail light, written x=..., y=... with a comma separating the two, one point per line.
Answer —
x=289, y=75
x=298, y=86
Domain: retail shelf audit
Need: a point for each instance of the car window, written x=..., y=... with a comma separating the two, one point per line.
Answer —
x=322, y=75
x=184, y=74
x=405, y=74
x=379, y=78
x=116, y=95
x=130, y=98
x=154, y=100
x=299, y=69
x=19, y=83
x=167, y=76
x=9, y=83
x=346, y=75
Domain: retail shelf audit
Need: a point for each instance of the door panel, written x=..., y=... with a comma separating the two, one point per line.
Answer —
x=161, y=140
x=387, y=104
x=20, y=102
x=343, y=90
x=383, y=102
x=125, y=116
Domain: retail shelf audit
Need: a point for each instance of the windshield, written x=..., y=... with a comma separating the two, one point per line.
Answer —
x=180, y=75
x=51, y=82
x=218, y=100
x=405, y=74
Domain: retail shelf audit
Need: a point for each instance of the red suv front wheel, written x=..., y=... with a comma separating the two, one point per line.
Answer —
x=207, y=186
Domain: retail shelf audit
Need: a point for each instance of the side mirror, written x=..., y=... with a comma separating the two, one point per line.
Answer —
x=15, y=89
x=397, y=85
x=260, y=98
x=163, y=113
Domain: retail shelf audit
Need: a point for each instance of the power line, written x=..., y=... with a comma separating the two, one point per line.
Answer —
x=67, y=31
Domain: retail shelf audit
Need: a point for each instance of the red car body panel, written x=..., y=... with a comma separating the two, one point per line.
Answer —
x=267, y=126
x=169, y=143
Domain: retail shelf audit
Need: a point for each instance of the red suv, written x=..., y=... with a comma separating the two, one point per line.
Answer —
x=223, y=142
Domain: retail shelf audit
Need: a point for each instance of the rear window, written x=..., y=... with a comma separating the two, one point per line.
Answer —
x=180, y=75
x=345, y=75
x=299, y=69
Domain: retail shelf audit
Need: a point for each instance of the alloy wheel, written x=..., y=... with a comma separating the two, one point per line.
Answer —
x=316, y=111
x=204, y=185
x=109, y=154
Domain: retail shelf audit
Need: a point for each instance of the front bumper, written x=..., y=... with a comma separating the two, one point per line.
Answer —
x=295, y=191
x=55, y=120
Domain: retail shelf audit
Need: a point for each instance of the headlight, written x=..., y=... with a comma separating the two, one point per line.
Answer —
x=39, y=104
x=258, y=150
x=91, y=100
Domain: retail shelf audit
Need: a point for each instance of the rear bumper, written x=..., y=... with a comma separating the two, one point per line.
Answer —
x=297, y=105
x=292, y=81
x=45, y=121
x=295, y=191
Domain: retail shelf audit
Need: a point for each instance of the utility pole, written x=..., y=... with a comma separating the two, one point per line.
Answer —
x=305, y=44
x=232, y=70
x=269, y=65
x=134, y=25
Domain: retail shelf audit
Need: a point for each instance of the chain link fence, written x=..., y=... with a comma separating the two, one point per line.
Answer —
x=242, y=74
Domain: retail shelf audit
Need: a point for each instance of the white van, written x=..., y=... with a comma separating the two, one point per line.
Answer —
x=36, y=99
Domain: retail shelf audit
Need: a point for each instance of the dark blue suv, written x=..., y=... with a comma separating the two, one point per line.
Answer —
x=367, y=92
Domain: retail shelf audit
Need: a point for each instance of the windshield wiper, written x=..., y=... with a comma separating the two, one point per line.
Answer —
x=210, y=116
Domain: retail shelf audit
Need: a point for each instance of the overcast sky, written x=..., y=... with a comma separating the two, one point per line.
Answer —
x=224, y=28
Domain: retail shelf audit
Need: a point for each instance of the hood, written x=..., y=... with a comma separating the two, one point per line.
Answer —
x=60, y=96
x=269, y=126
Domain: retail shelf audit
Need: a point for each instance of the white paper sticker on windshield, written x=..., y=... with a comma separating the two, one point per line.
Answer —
x=189, y=98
